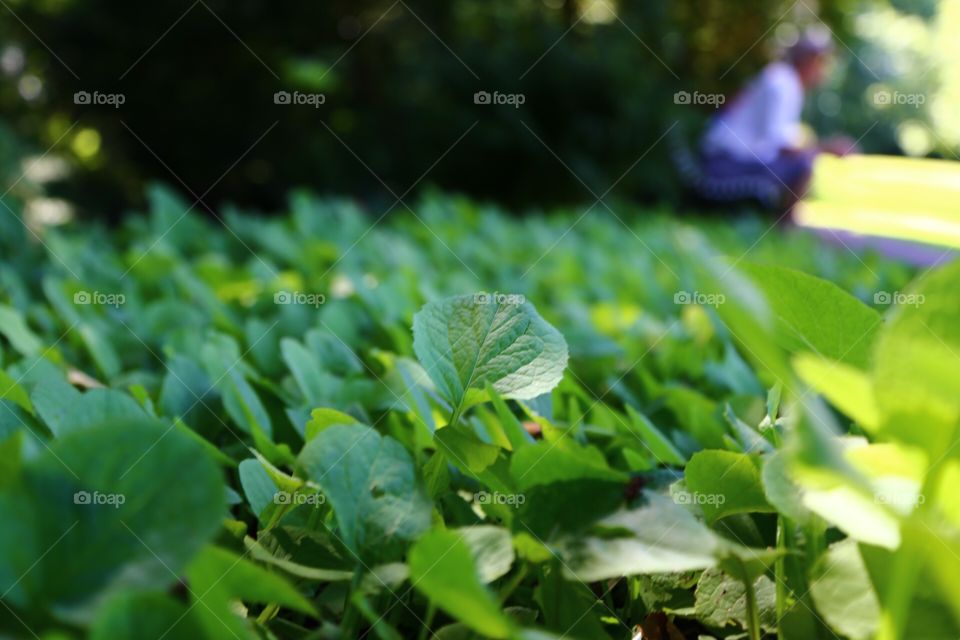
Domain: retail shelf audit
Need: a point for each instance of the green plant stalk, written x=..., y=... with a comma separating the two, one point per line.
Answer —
x=899, y=593
x=268, y=613
x=455, y=416
x=351, y=616
x=313, y=518
x=907, y=561
x=780, y=572
x=753, y=611
x=815, y=534
x=515, y=582
x=425, y=630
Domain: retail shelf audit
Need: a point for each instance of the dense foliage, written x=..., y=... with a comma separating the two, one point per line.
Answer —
x=464, y=425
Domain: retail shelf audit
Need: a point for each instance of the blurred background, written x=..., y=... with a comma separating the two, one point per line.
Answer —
x=533, y=102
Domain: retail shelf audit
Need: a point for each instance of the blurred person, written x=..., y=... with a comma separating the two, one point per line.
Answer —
x=756, y=136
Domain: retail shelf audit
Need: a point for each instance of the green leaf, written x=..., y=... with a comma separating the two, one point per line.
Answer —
x=697, y=414
x=464, y=343
x=816, y=315
x=546, y=513
x=847, y=388
x=10, y=390
x=133, y=616
x=370, y=482
x=569, y=607
x=659, y=537
x=223, y=364
x=443, y=569
x=258, y=486
x=548, y=462
x=259, y=553
x=859, y=516
x=842, y=591
x=101, y=349
x=65, y=409
x=309, y=374
x=220, y=574
x=55, y=401
x=722, y=600
x=492, y=550
x=14, y=328
x=511, y=426
x=917, y=357
x=11, y=458
x=325, y=417
x=465, y=449
x=862, y=489
x=657, y=443
x=781, y=491
x=106, y=509
x=724, y=482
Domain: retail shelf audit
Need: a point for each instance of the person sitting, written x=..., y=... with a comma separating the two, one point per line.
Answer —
x=756, y=136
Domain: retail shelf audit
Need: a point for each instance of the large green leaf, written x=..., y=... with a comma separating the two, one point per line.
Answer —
x=370, y=482
x=653, y=439
x=223, y=363
x=721, y=600
x=220, y=576
x=843, y=593
x=11, y=390
x=548, y=462
x=106, y=509
x=569, y=607
x=14, y=328
x=442, y=567
x=781, y=491
x=656, y=538
x=466, y=342
x=816, y=315
x=134, y=616
x=847, y=388
x=65, y=409
x=917, y=359
x=492, y=550
x=724, y=482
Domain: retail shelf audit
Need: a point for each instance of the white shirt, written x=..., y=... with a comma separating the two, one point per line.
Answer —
x=762, y=120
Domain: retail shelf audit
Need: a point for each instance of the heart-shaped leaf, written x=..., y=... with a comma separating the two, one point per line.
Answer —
x=466, y=342
x=370, y=482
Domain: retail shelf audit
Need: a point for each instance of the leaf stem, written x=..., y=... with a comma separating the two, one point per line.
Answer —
x=425, y=630
x=268, y=613
x=780, y=572
x=753, y=611
x=509, y=588
x=351, y=616
x=908, y=559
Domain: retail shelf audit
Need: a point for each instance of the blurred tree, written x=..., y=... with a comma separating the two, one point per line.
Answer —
x=198, y=78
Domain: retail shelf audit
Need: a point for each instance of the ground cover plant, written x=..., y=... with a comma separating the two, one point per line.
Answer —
x=475, y=427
